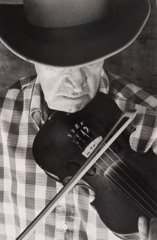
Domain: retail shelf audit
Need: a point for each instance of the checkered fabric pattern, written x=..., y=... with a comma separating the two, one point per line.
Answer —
x=129, y=96
x=24, y=188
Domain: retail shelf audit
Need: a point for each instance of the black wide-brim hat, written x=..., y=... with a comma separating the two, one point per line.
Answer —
x=59, y=33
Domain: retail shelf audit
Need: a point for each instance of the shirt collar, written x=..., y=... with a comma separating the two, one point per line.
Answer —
x=39, y=110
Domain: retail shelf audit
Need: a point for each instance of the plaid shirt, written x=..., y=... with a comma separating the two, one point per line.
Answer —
x=24, y=188
x=129, y=96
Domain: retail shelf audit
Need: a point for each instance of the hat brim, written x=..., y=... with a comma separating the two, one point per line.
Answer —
x=128, y=23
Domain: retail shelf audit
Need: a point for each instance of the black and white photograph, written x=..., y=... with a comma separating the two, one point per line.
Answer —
x=78, y=119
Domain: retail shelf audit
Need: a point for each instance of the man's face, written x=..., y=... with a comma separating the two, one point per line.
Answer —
x=69, y=89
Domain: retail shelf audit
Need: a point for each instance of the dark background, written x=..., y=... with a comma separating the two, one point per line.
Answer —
x=138, y=63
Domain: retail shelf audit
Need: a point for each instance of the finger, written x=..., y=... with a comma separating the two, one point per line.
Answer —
x=143, y=228
x=153, y=229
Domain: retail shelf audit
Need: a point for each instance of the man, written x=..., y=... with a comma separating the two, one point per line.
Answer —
x=68, y=42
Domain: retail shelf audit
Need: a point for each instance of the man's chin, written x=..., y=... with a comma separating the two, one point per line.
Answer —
x=70, y=106
x=74, y=109
x=69, y=109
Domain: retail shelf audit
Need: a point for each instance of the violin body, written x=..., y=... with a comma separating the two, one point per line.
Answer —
x=124, y=181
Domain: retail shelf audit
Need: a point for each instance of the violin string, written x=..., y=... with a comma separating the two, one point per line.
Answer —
x=135, y=200
x=112, y=161
x=145, y=193
x=118, y=158
x=122, y=178
x=133, y=174
x=131, y=196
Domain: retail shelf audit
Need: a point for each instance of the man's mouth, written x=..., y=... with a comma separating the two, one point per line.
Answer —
x=75, y=96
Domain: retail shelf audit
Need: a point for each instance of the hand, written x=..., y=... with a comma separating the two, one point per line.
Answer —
x=147, y=232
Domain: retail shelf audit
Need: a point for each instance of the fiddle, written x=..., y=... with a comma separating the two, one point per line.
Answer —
x=123, y=181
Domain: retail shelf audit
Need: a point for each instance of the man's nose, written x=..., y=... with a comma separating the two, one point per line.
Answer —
x=76, y=79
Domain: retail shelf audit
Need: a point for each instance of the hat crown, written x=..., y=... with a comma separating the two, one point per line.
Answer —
x=61, y=13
